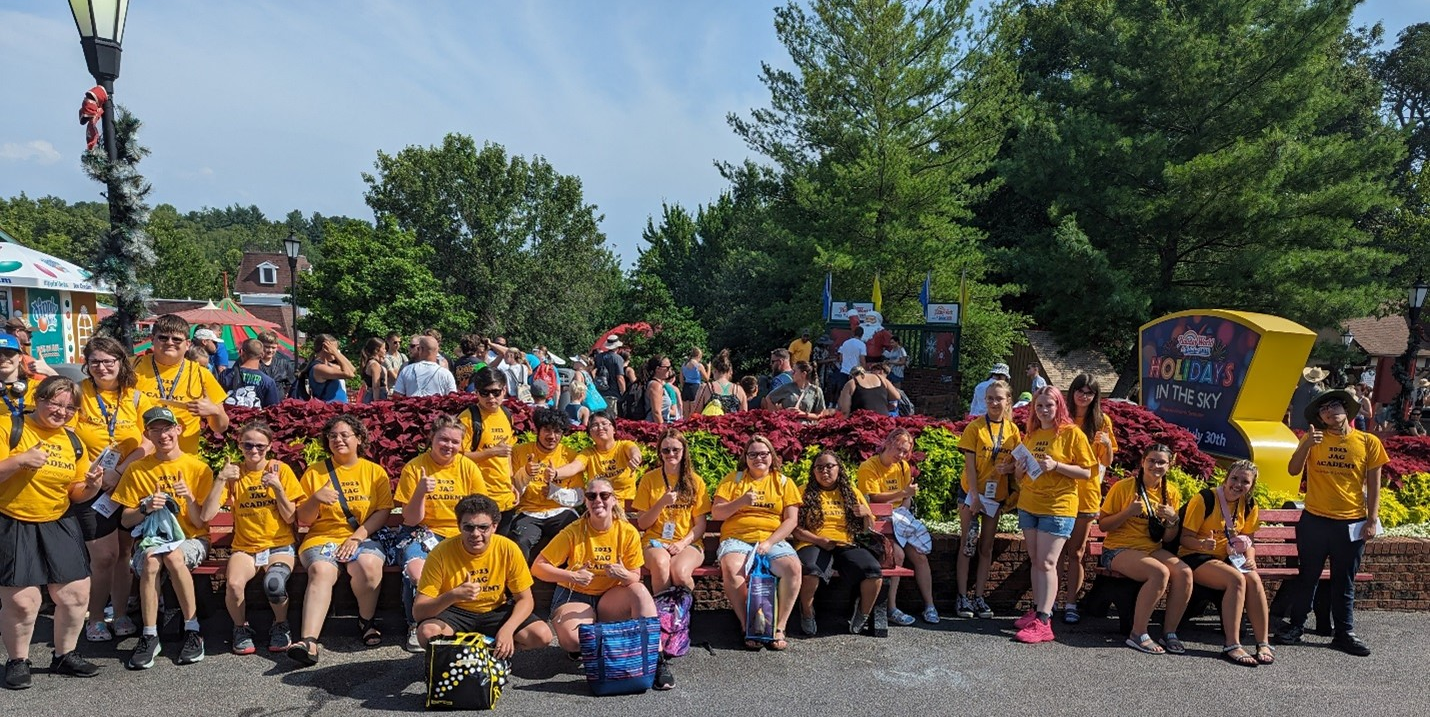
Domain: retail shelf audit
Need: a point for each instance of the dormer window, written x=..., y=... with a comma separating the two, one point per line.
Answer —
x=268, y=274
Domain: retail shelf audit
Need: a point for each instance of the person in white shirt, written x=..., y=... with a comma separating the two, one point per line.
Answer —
x=423, y=377
x=851, y=356
x=516, y=370
x=896, y=357
x=979, y=405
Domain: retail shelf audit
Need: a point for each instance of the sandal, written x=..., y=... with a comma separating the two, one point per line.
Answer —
x=754, y=645
x=779, y=644
x=1230, y=654
x=1144, y=643
x=1173, y=644
x=304, y=651
x=371, y=636
x=1265, y=653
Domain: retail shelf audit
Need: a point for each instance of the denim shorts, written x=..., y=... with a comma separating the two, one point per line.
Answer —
x=730, y=545
x=1056, y=525
x=1105, y=560
x=563, y=595
x=413, y=550
x=325, y=553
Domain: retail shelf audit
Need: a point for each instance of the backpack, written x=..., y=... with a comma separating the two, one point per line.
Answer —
x=673, y=606
x=605, y=373
x=634, y=405
x=299, y=390
x=476, y=415
x=17, y=430
x=1208, y=505
x=721, y=403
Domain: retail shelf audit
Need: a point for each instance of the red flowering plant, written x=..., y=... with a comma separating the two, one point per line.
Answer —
x=1409, y=455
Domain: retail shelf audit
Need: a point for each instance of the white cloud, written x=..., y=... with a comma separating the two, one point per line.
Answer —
x=38, y=151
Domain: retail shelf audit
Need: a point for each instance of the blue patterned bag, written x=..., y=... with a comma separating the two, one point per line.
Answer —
x=620, y=657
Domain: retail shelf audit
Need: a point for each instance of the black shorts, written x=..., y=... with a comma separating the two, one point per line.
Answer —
x=1196, y=560
x=852, y=562
x=92, y=525
x=34, y=554
x=486, y=623
x=688, y=391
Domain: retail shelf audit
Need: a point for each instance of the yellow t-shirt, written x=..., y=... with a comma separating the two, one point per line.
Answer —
x=799, y=350
x=93, y=428
x=365, y=485
x=834, y=527
x=874, y=478
x=1245, y=518
x=1133, y=531
x=500, y=569
x=257, y=525
x=1089, y=493
x=755, y=522
x=980, y=438
x=615, y=466
x=455, y=481
x=496, y=470
x=537, y=497
x=579, y=546
x=40, y=495
x=1054, y=493
x=182, y=383
x=681, y=518
x=12, y=404
x=1335, y=474
x=150, y=475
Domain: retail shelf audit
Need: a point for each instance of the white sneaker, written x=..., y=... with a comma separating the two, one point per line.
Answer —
x=97, y=632
x=931, y=615
x=899, y=617
x=412, y=644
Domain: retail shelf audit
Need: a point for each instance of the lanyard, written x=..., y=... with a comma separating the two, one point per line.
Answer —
x=16, y=410
x=159, y=381
x=110, y=419
x=997, y=442
x=1228, y=522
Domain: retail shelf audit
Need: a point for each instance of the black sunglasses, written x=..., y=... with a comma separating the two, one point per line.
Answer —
x=470, y=528
x=602, y=495
x=492, y=392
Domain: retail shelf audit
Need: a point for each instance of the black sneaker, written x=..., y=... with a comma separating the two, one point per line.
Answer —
x=1288, y=635
x=144, y=653
x=574, y=655
x=1348, y=643
x=664, y=679
x=17, y=674
x=72, y=665
x=193, y=649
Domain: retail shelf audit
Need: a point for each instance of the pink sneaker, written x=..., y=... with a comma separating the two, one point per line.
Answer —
x=1027, y=619
x=1037, y=632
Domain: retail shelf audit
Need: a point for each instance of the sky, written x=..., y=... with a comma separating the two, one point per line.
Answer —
x=283, y=105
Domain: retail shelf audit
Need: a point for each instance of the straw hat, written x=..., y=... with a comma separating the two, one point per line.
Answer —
x=1315, y=374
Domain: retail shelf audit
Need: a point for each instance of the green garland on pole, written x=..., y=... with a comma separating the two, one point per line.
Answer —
x=125, y=251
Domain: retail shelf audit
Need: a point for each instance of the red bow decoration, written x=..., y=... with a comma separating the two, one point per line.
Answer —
x=90, y=113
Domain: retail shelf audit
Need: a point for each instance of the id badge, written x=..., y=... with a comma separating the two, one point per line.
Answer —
x=260, y=559
x=667, y=531
x=105, y=505
x=108, y=459
x=429, y=542
x=990, y=490
x=1237, y=561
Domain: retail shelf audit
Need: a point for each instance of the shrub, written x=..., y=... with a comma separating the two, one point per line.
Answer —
x=1392, y=513
x=1408, y=455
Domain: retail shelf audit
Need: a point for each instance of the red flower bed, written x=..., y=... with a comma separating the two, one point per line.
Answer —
x=1408, y=455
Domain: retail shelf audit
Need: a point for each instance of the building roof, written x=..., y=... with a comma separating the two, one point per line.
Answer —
x=1384, y=336
x=1061, y=369
x=247, y=280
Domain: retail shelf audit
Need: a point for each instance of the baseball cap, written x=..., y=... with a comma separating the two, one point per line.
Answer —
x=205, y=335
x=8, y=341
x=539, y=389
x=157, y=414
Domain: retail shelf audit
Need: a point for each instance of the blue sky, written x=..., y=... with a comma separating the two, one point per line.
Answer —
x=283, y=105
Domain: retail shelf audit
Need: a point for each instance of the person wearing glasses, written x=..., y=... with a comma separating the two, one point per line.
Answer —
x=479, y=582
x=428, y=491
x=490, y=439
x=108, y=426
x=596, y=565
x=349, y=499
x=548, y=476
x=760, y=508
x=16, y=387
x=179, y=384
x=1084, y=398
x=41, y=546
x=178, y=481
x=660, y=408
x=673, y=504
x=263, y=495
x=832, y=511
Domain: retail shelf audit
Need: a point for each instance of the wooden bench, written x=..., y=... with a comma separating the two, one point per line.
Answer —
x=1275, y=541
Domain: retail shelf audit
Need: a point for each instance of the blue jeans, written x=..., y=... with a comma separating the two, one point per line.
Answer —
x=414, y=550
x=1318, y=539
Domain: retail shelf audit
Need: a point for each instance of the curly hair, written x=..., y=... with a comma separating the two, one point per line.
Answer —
x=811, y=513
x=359, y=430
x=549, y=418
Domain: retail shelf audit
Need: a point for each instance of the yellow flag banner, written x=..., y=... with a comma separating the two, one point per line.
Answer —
x=878, y=297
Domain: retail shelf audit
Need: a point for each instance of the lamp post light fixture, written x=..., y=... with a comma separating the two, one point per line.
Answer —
x=292, y=246
x=1405, y=367
x=1347, y=338
x=101, y=34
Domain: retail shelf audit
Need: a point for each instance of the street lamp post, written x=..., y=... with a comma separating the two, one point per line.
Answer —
x=101, y=34
x=1405, y=368
x=1347, y=338
x=292, y=246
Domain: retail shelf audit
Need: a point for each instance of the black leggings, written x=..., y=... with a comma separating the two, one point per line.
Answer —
x=532, y=534
x=852, y=562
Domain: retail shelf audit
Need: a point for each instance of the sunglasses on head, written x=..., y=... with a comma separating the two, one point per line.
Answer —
x=598, y=495
x=470, y=528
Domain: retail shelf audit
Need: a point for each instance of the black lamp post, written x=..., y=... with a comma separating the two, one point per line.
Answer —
x=101, y=32
x=1405, y=368
x=1347, y=338
x=292, y=246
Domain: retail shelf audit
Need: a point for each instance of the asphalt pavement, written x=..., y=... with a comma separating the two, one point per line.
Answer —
x=955, y=668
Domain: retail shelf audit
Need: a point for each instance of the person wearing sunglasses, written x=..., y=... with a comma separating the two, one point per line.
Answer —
x=349, y=499
x=760, y=508
x=1084, y=400
x=108, y=426
x=490, y=439
x=547, y=475
x=596, y=565
x=479, y=582
x=428, y=490
x=175, y=480
x=35, y=370
x=831, y=512
x=673, y=504
x=16, y=387
x=262, y=494
x=661, y=405
x=183, y=386
x=42, y=474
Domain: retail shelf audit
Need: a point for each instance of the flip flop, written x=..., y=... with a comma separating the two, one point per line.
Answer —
x=1144, y=643
x=779, y=644
x=1229, y=653
x=300, y=652
x=1265, y=653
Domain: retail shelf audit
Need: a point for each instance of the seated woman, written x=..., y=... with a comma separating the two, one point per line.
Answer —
x=760, y=508
x=1138, y=514
x=617, y=461
x=1216, y=544
x=673, y=505
x=262, y=495
x=341, y=526
x=428, y=491
x=887, y=477
x=830, y=514
x=596, y=565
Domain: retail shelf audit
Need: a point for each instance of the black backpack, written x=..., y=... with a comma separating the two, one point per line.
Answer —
x=633, y=404
x=17, y=429
x=476, y=415
x=1208, y=505
x=299, y=390
x=605, y=373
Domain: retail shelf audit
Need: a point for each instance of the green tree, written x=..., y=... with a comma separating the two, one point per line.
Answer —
x=182, y=270
x=1404, y=72
x=512, y=237
x=374, y=280
x=1213, y=154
